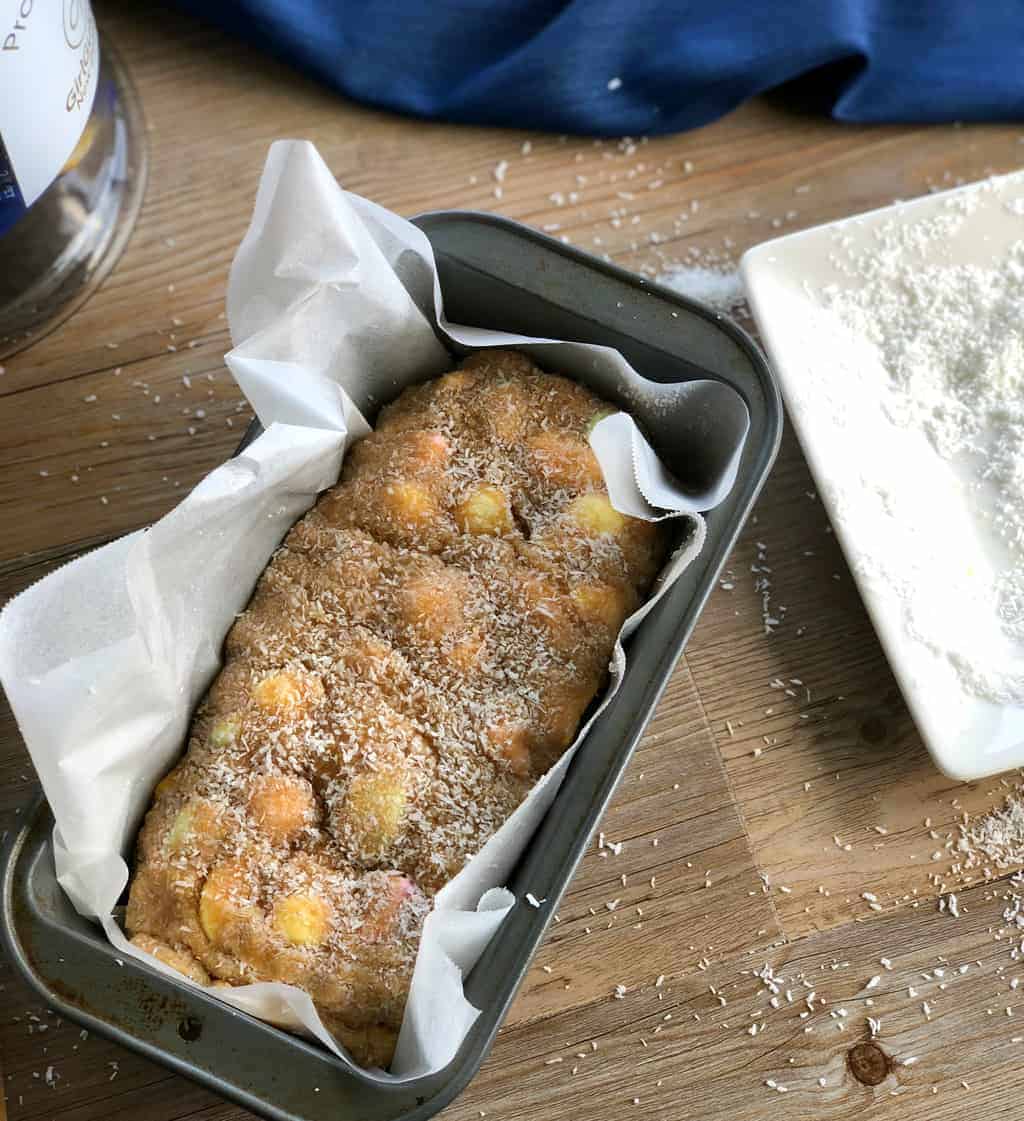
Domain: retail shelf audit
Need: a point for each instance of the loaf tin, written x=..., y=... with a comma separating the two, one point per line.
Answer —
x=496, y=273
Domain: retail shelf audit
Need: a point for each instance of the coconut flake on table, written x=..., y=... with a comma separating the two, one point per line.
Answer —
x=720, y=288
x=996, y=839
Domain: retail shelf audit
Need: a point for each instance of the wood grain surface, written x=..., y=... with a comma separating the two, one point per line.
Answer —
x=803, y=837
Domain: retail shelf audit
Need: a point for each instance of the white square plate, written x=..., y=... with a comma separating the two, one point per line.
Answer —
x=833, y=383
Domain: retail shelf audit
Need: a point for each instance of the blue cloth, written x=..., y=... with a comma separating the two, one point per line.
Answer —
x=548, y=64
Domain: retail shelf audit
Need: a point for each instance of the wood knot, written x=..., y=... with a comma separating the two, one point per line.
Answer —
x=873, y=730
x=868, y=1063
x=190, y=1029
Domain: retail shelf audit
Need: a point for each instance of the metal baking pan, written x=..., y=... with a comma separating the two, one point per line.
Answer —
x=497, y=273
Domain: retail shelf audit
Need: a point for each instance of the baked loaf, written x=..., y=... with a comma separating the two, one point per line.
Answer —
x=418, y=652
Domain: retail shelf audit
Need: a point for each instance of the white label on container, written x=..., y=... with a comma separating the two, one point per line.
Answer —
x=49, y=61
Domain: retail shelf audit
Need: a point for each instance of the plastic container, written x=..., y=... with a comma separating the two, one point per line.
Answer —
x=497, y=273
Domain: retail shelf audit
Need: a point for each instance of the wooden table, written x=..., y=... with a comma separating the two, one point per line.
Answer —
x=796, y=825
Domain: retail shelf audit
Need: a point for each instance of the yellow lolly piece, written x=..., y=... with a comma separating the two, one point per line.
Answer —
x=375, y=807
x=224, y=731
x=302, y=919
x=595, y=515
x=281, y=805
x=432, y=605
x=284, y=692
x=485, y=510
x=564, y=460
x=428, y=448
x=410, y=503
x=180, y=829
x=223, y=900
x=196, y=822
x=168, y=783
x=596, y=419
x=600, y=603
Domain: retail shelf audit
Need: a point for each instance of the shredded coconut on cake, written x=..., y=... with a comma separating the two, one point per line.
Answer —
x=418, y=653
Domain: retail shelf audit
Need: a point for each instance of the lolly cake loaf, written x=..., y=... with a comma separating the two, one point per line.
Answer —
x=420, y=649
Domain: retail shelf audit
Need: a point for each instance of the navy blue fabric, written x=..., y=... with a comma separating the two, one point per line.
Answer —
x=547, y=63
